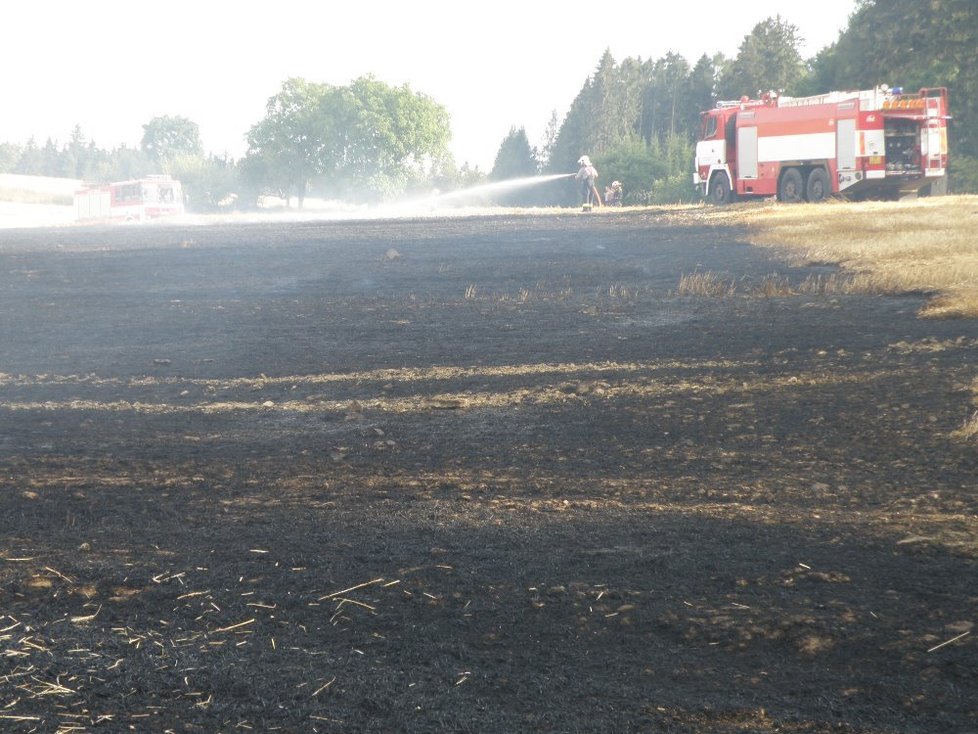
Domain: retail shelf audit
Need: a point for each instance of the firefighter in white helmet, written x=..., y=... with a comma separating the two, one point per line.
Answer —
x=586, y=177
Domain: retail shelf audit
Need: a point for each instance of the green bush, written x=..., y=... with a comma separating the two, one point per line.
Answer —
x=656, y=173
x=674, y=189
x=963, y=175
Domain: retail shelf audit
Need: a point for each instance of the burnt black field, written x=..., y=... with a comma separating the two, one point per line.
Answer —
x=483, y=474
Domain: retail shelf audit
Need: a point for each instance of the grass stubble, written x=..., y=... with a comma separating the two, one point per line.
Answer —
x=925, y=245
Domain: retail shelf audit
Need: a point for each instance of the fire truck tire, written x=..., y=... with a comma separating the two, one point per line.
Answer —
x=817, y=187
x=720, y=189
x=791, y=187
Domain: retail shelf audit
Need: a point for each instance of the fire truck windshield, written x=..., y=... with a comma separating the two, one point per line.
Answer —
x=709, y=127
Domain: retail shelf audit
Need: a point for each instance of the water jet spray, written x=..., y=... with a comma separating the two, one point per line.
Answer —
x=498, y=187
x=471, y=196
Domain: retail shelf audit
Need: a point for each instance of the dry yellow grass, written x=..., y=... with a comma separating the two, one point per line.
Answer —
x=921, y=246
x=968, y=430
x=927, y=246
x=917, y=246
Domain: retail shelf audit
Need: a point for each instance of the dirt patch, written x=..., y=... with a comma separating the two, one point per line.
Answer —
x=270, y=477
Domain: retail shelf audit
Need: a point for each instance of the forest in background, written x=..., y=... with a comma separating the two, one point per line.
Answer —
x=637, y=118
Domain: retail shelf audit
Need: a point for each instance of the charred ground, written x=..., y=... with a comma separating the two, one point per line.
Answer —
x=483, y=474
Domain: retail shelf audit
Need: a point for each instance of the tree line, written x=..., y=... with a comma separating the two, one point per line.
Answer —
x=638, y=119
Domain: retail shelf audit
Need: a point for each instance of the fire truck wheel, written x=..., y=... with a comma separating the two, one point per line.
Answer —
x=720, y=189
x=791, y=186
x=817, y=187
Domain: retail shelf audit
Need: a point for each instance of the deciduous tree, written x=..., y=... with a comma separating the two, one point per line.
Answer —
x=166, y=137
x=285, y=148
x=381, y=140
x=367, y=140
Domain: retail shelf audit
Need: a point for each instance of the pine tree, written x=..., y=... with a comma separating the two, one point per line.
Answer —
x=767, y=59
x=515, y=158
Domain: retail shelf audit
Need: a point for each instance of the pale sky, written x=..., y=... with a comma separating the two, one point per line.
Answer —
x=111, y=66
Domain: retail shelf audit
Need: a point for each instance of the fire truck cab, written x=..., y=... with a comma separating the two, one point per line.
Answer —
x=880, y=142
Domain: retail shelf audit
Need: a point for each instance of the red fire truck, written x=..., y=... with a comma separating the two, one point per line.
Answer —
x=137, y=200
x=881, y=142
